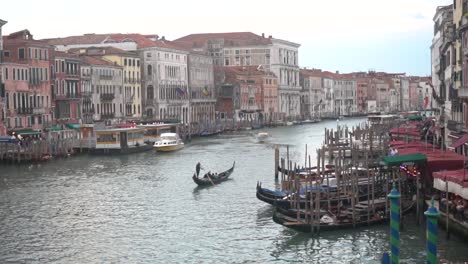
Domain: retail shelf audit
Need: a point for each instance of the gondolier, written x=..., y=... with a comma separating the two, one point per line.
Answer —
x=197, y=168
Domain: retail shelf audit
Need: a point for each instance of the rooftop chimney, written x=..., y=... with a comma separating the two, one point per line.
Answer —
x=337, y=72
x=163, y=38
x=263, y=35
x=269, y=37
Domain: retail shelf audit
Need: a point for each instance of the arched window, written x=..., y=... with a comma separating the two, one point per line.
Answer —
x=149, y=112
x=150, y=92
x=149, y=70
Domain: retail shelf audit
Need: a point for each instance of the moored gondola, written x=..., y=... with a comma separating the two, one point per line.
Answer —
x=212, y=178
x=331, y=223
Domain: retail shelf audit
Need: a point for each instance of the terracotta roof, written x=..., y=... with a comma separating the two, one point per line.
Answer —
x=61, y=54
x=89, y=39
x=230, y=39
x=96, y=61
x=101, y=51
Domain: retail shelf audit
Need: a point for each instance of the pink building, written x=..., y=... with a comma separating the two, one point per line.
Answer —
x=26, y=70
x=363, y=86
x=2, y=85
x=66, y=89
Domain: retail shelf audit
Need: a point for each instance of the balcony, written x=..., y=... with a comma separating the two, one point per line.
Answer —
x=463, y=92
x=131, y=80
x=88, y=110
x=105, y=77
x=454, y=125
x=86, y=93
x=38, y=111
x=107, y=115
x=107, y=97
x=24, y=110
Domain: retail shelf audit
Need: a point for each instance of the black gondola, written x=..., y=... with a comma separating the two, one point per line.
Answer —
x=280, y=199
x=211, y=179
x=305, y=226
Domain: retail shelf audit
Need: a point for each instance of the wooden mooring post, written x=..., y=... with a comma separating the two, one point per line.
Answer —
x=276, y=162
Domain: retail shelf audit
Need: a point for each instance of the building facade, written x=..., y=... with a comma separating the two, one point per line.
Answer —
x=107, y=96
x=201, y=85
x=66, y=89
x=2, y=85
x=27, y=75
x=165, y=82
x=246, y=49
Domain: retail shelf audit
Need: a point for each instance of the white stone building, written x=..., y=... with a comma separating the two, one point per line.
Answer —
x=246, y=48
x=107, y=96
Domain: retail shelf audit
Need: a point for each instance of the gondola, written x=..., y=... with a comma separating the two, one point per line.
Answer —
x=309, y=170
x=281, y=199
x=305, y=226
x=211, y=179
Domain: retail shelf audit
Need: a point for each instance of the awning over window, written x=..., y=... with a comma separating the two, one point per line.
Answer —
x=74, y=126
x=460, y=141
x=25, y=132
x=405, y=159
x=55, y=128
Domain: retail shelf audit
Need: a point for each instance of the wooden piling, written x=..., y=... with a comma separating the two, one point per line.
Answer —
x=276, y=162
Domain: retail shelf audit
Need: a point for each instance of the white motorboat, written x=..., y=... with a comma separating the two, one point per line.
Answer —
x=168, y=142
x=263, y=137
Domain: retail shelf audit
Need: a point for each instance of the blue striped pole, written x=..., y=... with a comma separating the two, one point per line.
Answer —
x=394, y=197
x=431, y=233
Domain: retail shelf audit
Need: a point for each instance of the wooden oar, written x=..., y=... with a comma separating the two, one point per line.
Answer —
x=208, y=176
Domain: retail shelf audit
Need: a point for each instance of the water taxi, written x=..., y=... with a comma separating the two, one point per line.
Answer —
x=168, y=142
x=262, y=137
x=153, y=131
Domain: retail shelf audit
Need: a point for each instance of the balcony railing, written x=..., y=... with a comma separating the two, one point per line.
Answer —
x=23, y=110
x=454, y=125
x=88, y=111
x=38, y=111
x=105, y=77
x=107, y=96
x=86, y=93
x=107, y=115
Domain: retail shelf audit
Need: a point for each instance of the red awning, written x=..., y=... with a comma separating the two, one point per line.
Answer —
x=457, y=176
x=460, y=141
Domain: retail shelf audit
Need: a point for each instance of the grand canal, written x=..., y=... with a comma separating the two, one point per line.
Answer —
x=145, y=208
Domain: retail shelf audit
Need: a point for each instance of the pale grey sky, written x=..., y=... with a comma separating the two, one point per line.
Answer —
x=345, y=35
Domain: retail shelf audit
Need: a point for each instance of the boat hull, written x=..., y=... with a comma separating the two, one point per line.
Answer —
x=168, y=148
x=205, y=181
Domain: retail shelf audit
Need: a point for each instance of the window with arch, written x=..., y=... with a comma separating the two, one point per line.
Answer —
x=149, y=70
x=150, y=92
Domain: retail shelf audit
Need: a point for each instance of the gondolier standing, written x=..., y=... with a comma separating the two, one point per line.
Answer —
x=197, y=168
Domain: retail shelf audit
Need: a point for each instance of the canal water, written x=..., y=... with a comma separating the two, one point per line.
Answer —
x=145, y=208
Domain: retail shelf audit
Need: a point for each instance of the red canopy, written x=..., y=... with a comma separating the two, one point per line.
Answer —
x=401, y=144
x=411, y=131
x=460, y=141
x=457, y=176
x=436, y=160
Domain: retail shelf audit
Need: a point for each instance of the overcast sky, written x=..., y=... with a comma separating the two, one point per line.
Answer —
x=344, y=35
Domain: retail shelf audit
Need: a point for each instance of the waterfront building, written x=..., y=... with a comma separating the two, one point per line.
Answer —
x=165, y=81
x=130, y=63
x=106, y=80
x=404, y=96
x=362, y=87
x=345, y=95
x=245, y=49
x=201, y=89
x=26, y=72
x=311, y=83
x=66, y=89
x=2, y=85
x=248, y=93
